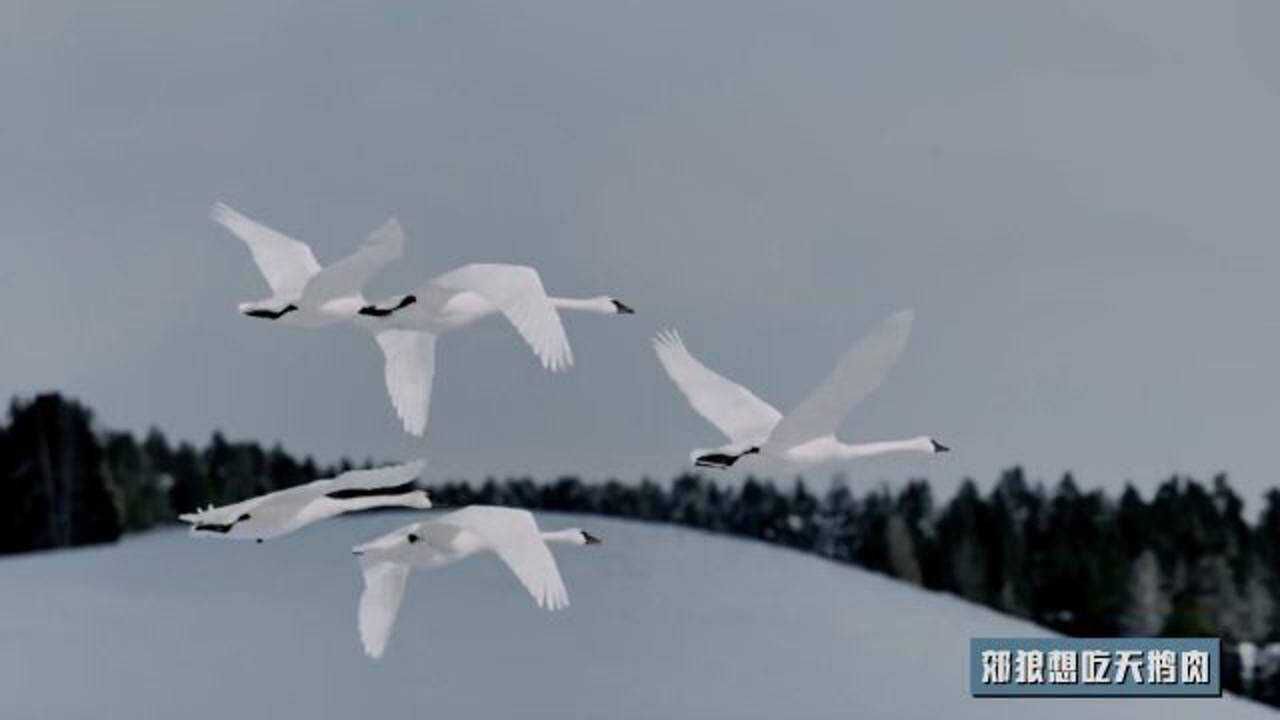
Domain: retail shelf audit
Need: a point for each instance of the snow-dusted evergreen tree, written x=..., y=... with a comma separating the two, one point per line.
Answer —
x=902, y=551
x=1149, y=606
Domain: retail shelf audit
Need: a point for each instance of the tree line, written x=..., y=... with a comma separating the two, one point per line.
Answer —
x=1185, y=562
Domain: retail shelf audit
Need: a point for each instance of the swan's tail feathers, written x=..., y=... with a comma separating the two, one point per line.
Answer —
x=211, y=521
x=200, y=514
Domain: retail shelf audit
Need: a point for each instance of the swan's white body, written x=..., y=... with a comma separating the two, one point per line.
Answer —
x=459, y=298
x=511, y=534
x=806, y=435
x=281, y=512
x=302, y=292
x=406, y=326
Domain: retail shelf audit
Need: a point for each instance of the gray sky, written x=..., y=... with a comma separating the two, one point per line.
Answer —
x=1078, y=198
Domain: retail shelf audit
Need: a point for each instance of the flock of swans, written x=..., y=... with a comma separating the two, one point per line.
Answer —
x=405, y=327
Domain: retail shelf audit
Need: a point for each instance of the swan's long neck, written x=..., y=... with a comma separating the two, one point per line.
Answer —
x=884, y=447
x=573, y=537
x=600, y=305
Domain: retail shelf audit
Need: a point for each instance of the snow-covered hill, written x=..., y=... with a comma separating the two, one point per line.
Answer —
x=665, y=623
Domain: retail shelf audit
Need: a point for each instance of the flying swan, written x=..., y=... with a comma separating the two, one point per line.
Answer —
x=302, y=292
x=281, y=512
x=406, y=326
x=511, y=534
x=457, y=299
x=806, y=436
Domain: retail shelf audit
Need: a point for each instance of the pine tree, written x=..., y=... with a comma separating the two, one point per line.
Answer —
x=58, y=493
x=1149, y=606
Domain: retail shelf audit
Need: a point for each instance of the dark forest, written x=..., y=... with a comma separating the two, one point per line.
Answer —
x=1185, y=562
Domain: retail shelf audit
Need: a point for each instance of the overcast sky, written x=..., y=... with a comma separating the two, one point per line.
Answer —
x=1078, y=198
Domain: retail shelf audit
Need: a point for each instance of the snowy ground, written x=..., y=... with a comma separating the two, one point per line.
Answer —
x=665, y=623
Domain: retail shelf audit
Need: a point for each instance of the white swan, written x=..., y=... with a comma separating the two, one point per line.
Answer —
x=302, y=292
x=805, y=436
x=511, y=534
x=407, y=335
x=405, y=326
x=281, y=512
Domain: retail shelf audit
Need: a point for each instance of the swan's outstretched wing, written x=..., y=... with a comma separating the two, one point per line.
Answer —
x=349, y=275
x=859, y=372
x=384, y=582
x=514, y=536
x=372, y=479
x=735, y=410
x=287, y=264
x=295, y=498
x=517, y=291
x=410, y=366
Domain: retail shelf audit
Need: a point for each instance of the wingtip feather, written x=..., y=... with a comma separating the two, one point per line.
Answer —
x=222, y=213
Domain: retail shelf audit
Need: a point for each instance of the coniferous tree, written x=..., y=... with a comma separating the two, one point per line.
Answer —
x=1267, y=542
x=834, y=532
x=191, y=488
x=57, y=491
x=902, y=551
x=142, y=493
x=1148, y=605
x=962, y=535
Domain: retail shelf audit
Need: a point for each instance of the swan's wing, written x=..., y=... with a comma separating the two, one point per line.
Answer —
x=410, y=365
x=349, y=275
x=735, y=410
x=384, y=582
x=313, y=499
x=299, y=502
x=517, y=292
x=383, y=477
x=287, y=264
x=859, y=372
x=513, y=535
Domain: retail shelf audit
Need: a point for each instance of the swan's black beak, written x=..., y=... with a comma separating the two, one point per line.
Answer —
x=590, y=539
x=357, y=553
x=939, y=447
x=622, y=308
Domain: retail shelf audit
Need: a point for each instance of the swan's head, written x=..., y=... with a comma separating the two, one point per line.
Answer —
x=600, y=305
x=390, y=543
x=936, y=447
x=571, y=536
